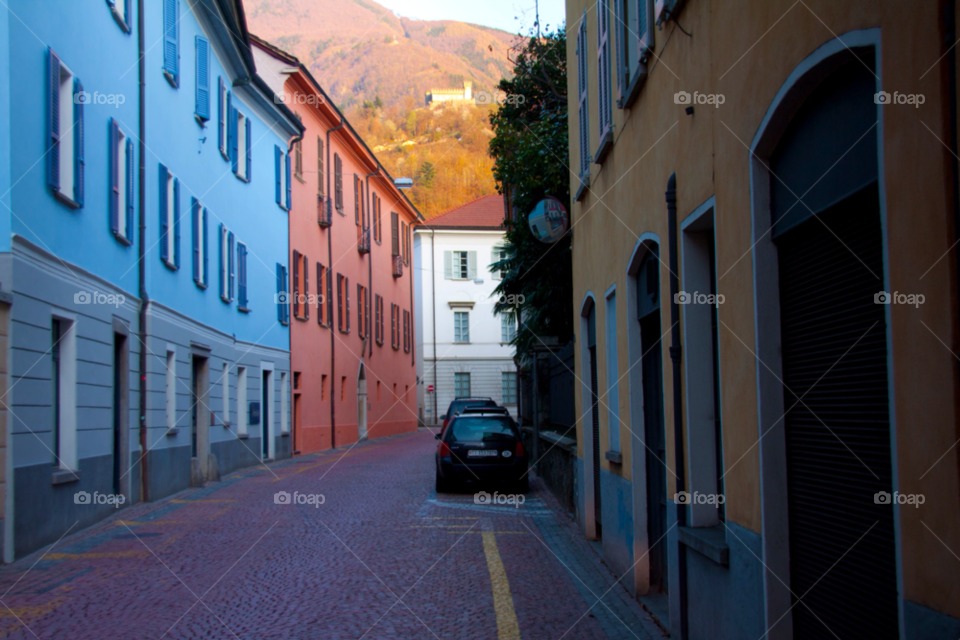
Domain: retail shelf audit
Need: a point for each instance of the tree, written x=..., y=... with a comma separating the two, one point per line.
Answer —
x=530, y=151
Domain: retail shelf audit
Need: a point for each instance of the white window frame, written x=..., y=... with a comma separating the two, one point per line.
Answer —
x=463, y=331
x=122, y=163
x=283, y=180
x=611, y=344
x=461, y=265
x=241, y=401
x=201, y=231
x=67, y=427
x=284, y=394
x=225, y=294
x=583, y=117
x=504, y=399
x=171, y=386
x=68, y=150
x=455, y=376
x=242, y=146
x=508, y=326
x=225, y=380
x=171, y=221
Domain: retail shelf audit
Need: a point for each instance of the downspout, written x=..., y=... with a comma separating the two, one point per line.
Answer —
x=141, y=267
x=433, y=304
x=369, y=219
x=675, y=354
x=950, y=18
x=333, y=359
x=413, y=351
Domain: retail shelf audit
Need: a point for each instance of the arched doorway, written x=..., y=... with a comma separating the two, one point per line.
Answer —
x=591, y=416
x=824, y=396
x=362, y=403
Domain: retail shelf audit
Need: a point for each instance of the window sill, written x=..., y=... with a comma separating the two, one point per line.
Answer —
x=127, y=242
x=614, y=456
x=603, y=150
x=227, y=425
x=285, y=434
x=224, y=154
x=67, y=200
x=243, y=309
x=243, y=436
x=201, y=120
x=243, y=179
x=300, y=319
x=582, y=189
x=707, y=541
x=172, y=79
x=170, y=265
x=201, y=285
x=118, y=17
x=633, y=91
x=300, y=179
x=64, y=476
x=172, y=431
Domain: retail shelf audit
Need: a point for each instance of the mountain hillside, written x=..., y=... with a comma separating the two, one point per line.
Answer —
x=359, y=50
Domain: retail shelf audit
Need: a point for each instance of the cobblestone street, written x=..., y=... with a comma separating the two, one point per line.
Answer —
x=383, y=557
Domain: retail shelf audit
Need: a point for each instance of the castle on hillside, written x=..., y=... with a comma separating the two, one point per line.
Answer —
x=451, y=95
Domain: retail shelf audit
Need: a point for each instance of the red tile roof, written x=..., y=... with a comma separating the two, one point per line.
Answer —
x=486, y=212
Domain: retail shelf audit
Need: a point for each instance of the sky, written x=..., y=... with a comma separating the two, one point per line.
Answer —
x=499, y=14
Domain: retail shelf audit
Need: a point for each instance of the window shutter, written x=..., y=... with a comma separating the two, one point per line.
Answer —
x=306, y=287
x=621, y=33
x=276, y=166
x=471, y=265
x=171, y=53
x=206, y=253
x=583, y=118
x=346, y=301
x=448, y=265
x=195, y=223
x=494, y=258
x=339, y=302
x=78, y=145
x=164, y=206
x=242, y=275
x=249, y=150
x=176, y=222
x=356, y=199
x=115, y=185
x=203, y=78
x=320, y=165
x=281, y=299
x=53, y=119
x=602, y=87
x=329, y=298
x=289, y=185
x=222, y=263
x=221, y=115
x=231, y=126
x=296, y=284
x=319, y=294
x=130, y=190
x=234, y=138
x=394, y=232
x=366, y=313
x=231, y=266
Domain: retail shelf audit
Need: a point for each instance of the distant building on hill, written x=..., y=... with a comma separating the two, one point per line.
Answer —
x=451, y=95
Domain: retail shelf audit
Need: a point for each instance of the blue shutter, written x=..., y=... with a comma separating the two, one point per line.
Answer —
x=276, y=165
x=78, y=145
x=286, y=307
x=164, y=254
x=249, y=146
x=195, y=223
x=242, y=275
x=221, y=114
x=231, y=269
x=206, y=251
x=203, y=78
x=176, y=223
x=223, y=292
x=227, y=113
x=281, y=299
x=287, y=161
x=130, y=190
x=115, y=185
x=234, y=138
x=53, y=120
x=171, y=52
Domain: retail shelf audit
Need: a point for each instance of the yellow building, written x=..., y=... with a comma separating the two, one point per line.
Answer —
x=766, y=288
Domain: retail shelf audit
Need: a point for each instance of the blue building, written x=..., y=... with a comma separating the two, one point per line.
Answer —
x=147, y=233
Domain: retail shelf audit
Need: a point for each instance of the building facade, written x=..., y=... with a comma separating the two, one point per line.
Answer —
x=351, y=275
x=768, y=387
x=462, y=347
x=139, y=194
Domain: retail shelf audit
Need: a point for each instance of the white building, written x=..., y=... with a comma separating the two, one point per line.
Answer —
x=462, y=347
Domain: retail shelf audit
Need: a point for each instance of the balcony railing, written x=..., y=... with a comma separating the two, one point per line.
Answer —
x=324, y=211
x=397, y=266
x=363, y=240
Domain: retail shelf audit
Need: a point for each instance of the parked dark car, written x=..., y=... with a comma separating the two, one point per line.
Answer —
x=481, y=449
x=460, y=404
x=476, y=410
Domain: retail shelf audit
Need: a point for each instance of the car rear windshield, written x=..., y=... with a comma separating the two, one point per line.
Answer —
x=460, y=405
x=470, y=429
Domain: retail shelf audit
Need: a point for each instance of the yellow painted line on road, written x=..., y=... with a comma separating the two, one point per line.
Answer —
x=507, y=626
x=201, y=500
x=96, y=556
x=497, y=532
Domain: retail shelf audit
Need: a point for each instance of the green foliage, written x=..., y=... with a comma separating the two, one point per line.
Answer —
x=530, y=151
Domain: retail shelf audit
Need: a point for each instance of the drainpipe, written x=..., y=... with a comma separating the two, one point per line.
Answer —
x=950, y=18
x=141, y=267
x=333, y=338
x=433, y=303
x=369, y=218
x=675, y=354
x=413, y=352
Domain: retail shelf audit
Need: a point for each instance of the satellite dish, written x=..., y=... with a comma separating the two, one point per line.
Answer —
x=549, y=220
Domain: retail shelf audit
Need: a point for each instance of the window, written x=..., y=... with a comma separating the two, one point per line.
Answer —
x=121, y=184
x=298, y=158
x=121, y=13
x=169, y=219
x=203, y=80
x=583, y=115
x=406, y=243
x=55, y=335
x=378, y=321
x=171, y=387
x=363, y=311
x=65, y=124
x=357, y=197
x=613, y=373
x=200, y=257
x=322, y=318
x=224, y=101
x=603, y=62
x=242, y=302
x=338, y=182
x=241, y=400
x=498, y=255
x=406, y=331
x=460, y=265
x=281, y=165
x=461, y=385
x=508, y=387
x=323, y=386
x=394, y=326
x=171, y=42
x=283, y=296
x=377, y=230
x=343, y=388
x=225, y=381
x=284, y=395
x=320, y=185
x=634, y=35
x=508, y=327
x=461, y=326
x=301, y=294
x=227, y=267
x=242, y=158
x=343, y=303
x=395, y=232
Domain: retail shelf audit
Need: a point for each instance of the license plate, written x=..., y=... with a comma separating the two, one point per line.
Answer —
x=482, y=453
